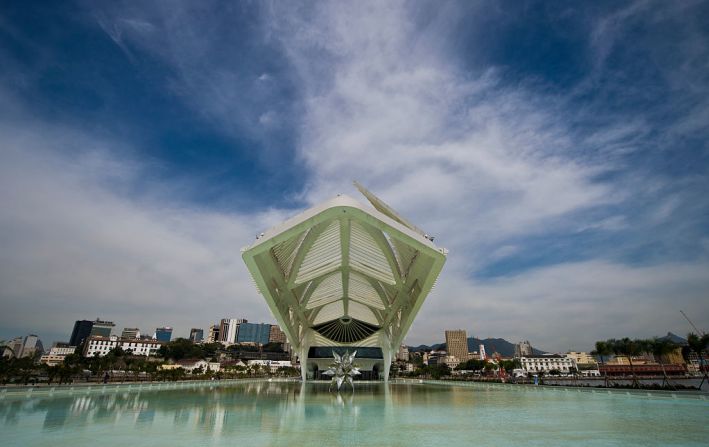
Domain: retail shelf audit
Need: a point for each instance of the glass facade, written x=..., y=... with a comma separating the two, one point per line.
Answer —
x=196, y=335
x=253, y=333
x=163, y=334
x=82, y=329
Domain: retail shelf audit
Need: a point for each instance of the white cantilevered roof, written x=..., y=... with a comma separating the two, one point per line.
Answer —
x=344, y=270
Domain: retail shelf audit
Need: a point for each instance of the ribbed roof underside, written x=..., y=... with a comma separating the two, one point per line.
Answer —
x=343, y=267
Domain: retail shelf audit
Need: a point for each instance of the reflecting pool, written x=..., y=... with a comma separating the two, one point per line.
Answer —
x=290, y=414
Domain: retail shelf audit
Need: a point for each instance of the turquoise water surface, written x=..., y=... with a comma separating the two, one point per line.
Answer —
x=289, y=414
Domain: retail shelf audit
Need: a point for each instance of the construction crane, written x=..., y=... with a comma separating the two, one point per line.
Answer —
x=692, y=324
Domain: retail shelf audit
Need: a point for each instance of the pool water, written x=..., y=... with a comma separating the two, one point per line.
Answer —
x=290, y=414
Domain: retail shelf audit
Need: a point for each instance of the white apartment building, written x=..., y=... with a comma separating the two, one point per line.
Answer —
x=102, y=345
x=273, y=365
x=190, y=365
x=57, y=354
x=62, y=350
x=546, y=363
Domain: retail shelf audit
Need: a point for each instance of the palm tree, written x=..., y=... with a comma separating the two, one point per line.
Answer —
x=603, y=349
x=629, y=348
x=699, y=344
x=661, y=348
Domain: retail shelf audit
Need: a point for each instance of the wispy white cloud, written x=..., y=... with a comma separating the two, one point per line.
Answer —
x=73, y=245
x=475, y=162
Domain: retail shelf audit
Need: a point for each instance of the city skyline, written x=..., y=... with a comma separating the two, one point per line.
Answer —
x=559, y=153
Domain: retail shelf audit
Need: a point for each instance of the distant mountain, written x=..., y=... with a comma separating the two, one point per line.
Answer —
x=426, y=348
x=505, y=348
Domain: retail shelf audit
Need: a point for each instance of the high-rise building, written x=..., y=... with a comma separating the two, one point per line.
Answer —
x=254, y=333
x=32, y=346
x=130, y=332
x=102, y=328
x=277, y=335
x=163, y=334
x=523, y=349
x=483, y=355
x=81, y=331
x=457, y=344
x=229, y=329
x=213, y=334
x=196, y=335
x=224, y=330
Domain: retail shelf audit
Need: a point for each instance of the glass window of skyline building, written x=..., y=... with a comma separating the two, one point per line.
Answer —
x=253, y=333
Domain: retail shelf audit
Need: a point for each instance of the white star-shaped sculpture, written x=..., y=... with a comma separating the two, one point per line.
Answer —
x=343, y=369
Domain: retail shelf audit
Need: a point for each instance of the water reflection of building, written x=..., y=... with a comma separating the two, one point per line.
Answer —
x=264, y=409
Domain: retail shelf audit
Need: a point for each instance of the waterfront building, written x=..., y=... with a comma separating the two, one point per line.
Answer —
x=406, y=367
x=163, y=334
x=271, y=365
x=345, y=276
x=547, y=362
x=130, y=332
x=31, y=346
x=403, y=353
x=229, y=329
x=103, y=345
x=13, y=348
x=57, y=354
x=434, y=357
x=457, y=344
x=523, y=349
x=646, y=369
x=213, y=334
x=62, y=348
x=451, y=361
x=190, y=365
x=636, y=359
x=196, y=335
x=81, y=331
x=102, y=328
x=483, y=355
x=277, y=335
x=258, y=333
x=582, y=358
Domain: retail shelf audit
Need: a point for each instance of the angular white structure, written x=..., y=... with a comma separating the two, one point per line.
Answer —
x=345, y=275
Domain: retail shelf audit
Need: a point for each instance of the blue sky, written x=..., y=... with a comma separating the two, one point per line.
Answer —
x=558, y=151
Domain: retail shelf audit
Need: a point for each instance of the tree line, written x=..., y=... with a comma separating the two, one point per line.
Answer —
x=119, y=363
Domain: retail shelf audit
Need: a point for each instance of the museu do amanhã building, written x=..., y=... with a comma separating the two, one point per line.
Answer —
x=345, y=276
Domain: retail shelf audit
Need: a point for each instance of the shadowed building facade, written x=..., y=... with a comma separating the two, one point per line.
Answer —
x=457, y=344
x=342, y=275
